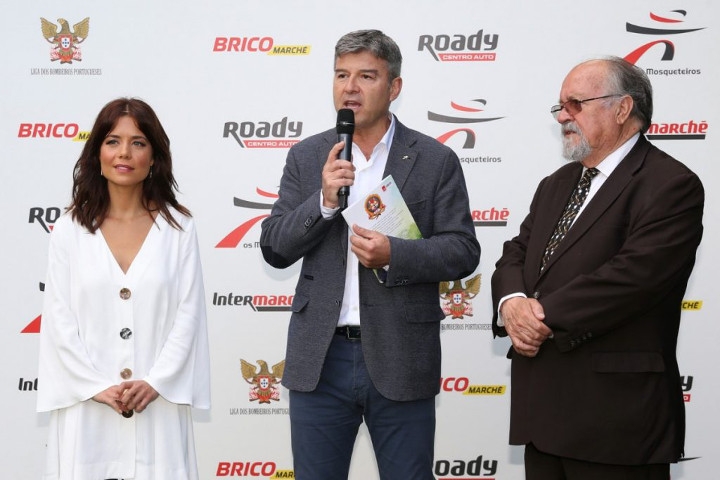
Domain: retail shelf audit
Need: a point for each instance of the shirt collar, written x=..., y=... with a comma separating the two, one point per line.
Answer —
x=608, y=165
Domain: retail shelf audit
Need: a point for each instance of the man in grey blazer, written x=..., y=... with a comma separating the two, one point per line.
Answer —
x=361, y=346
x=594, y=319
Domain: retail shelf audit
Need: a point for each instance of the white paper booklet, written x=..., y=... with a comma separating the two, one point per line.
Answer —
x=384, y=210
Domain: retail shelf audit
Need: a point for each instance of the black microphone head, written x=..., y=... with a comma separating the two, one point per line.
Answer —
x=345, y=121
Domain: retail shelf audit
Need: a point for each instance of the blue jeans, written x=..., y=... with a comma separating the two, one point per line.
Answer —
x=324, y=423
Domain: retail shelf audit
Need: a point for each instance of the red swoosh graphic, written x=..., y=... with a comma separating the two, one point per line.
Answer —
x=464, y=109
x=233, y=238
x=658, y=18
x=266, y=194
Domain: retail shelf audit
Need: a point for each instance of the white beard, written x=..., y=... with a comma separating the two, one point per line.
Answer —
x=575, y=152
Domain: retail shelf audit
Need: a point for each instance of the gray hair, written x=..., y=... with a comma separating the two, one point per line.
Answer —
x=629, y=79
x=375, y=42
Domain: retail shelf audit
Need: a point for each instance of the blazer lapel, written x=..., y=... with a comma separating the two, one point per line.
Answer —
x=401, y=157
x=608, y=193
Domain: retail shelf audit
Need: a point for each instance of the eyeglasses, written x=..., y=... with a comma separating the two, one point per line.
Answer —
x=574, y=106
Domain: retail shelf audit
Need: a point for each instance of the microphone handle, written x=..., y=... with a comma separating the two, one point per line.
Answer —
x=345, y=154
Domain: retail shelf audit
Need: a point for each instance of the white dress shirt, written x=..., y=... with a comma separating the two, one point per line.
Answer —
x=368, y=174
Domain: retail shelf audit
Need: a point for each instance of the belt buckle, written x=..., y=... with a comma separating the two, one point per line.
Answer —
x=351, y=332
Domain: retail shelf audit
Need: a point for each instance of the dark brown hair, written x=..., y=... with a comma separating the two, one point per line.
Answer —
x=90, y=197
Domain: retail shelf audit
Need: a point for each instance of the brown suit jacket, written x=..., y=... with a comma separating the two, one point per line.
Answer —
x=606, y=388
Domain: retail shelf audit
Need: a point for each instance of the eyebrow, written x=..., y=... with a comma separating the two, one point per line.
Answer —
x=366, y=70
x=134, y=137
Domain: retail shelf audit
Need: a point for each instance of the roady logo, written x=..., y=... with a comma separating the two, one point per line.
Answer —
x=478, y=47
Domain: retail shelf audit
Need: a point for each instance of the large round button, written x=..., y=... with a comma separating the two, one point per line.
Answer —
x=125, y=293
x=125, y=373
x=127, y=414
x=125, y=333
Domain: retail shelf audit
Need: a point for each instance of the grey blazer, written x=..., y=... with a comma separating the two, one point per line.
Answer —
x=400, y=319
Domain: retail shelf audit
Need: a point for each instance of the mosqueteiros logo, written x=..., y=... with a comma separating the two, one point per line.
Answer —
x=280, y=134
x=690, y=130
x=234, y=238
x=261, y=45
x=469, y=113
x=666, y=25
x=476, y=47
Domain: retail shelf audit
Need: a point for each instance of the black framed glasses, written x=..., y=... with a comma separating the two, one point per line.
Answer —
x=574, y=106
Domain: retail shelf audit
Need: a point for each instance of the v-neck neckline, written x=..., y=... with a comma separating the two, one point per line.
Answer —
x=138, y=255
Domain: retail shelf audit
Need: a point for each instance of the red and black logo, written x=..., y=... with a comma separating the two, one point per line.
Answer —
x=233, y=239
x=665, y=25
x=470, y=114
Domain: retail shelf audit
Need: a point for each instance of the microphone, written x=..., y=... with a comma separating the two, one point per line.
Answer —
x=345, y=128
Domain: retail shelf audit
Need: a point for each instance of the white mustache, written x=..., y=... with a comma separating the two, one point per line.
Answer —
x=570, y=127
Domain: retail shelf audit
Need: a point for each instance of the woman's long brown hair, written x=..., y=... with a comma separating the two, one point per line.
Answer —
x=90, y=197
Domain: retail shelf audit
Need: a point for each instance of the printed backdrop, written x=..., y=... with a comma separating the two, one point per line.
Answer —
x=236, y=83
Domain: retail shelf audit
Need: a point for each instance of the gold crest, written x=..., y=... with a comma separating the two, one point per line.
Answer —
x=65, y=41
x=456, y=299
x=263, y=380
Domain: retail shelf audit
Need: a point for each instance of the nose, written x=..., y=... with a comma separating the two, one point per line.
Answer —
x=351, y=84
x=124, y=150
x=563, y=116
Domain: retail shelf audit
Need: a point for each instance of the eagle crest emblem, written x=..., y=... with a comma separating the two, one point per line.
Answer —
x=374, y=206
x=65, y=41
x=455, y=300
x=263, y=381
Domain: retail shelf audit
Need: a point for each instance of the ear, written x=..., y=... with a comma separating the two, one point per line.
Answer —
x=395, y=88
x=624, y=108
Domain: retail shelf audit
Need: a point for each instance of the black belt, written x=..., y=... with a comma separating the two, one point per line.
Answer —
x=351, y=332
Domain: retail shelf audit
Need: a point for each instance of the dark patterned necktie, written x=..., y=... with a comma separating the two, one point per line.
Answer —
x=571, y=210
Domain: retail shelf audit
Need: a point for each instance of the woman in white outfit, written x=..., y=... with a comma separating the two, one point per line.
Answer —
x=123, y=341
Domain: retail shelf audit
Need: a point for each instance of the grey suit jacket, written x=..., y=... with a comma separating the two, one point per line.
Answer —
x=400, y=319
x=607, y=387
